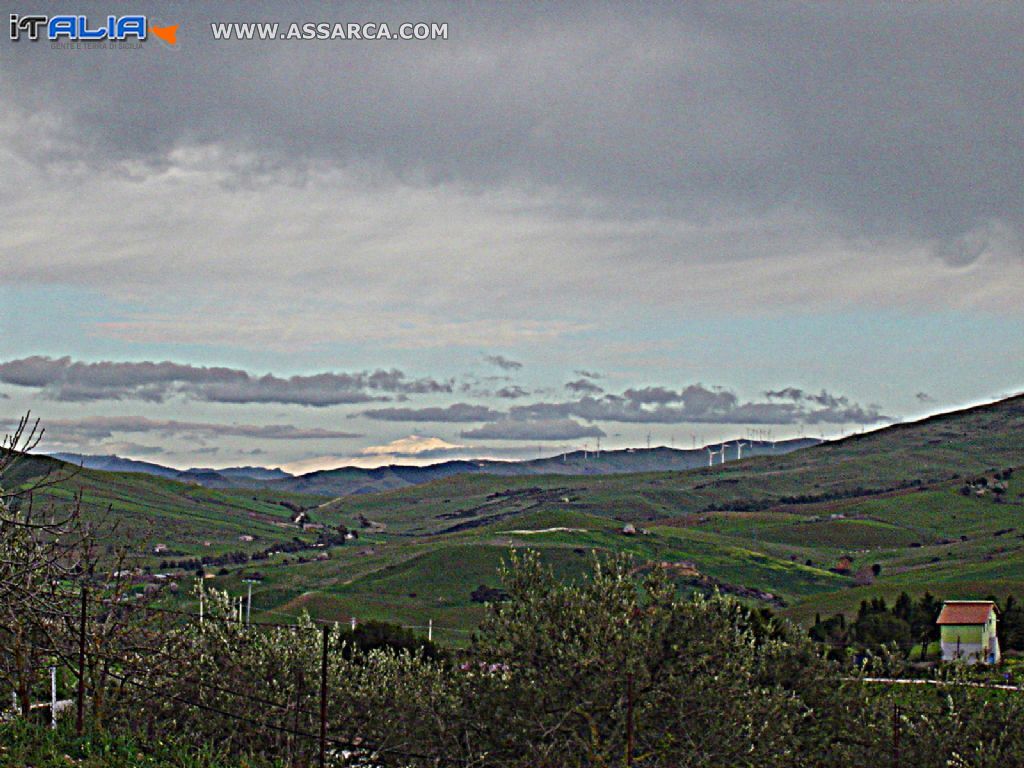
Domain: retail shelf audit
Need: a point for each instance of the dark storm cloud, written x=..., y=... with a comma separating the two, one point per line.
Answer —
x=540, y=429
x=73, y=381
x=455, y=414
x=503, y=362
x=104, y=427
x=896, y=117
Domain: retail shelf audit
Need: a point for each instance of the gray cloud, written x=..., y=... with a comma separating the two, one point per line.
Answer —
x=73, y=381
x=698, y=404
x=588, y=374
x=992, y=240
x=789, y=393
x=96, y=428
x=694, y=403
x=583, y=386
x=455, y=413
x=512, y=157
x=511, y=392
x=828, y=106
x=539, y=429
x=924, y=397
x=503, y=362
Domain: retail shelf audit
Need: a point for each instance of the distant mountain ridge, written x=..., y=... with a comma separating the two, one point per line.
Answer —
x=229, y=477
x=345, y=481
x=116, y=464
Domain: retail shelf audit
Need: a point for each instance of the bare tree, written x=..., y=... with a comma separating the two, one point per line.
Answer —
x=37, y=553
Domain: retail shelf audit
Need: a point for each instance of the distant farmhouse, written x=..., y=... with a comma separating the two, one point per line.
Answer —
x=968, y=631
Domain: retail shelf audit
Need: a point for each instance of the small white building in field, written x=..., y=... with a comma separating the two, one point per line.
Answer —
x=968, y=631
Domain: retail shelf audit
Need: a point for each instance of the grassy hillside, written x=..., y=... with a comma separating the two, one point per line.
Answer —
x=900, y=458
x=932, y=539
x=188, y=519
x=917, y=501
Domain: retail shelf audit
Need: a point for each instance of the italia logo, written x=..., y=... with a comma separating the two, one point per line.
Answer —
x=55, y=28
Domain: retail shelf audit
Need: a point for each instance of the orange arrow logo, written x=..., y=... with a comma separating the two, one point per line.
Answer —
x=168, y=34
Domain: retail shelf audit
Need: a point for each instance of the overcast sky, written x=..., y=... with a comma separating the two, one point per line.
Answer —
x=564, y=222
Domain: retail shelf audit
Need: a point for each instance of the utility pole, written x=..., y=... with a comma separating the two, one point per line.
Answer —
x=323, y=697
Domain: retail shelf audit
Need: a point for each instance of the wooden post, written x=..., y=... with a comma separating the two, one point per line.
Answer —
x=895, y=735
x=295, y=720
x=53, y=698
x=80, y=719
x=323, y=696
x=629, y=721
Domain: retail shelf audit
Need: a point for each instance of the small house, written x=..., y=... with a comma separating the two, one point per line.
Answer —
x=844, y=566
x=968, y=631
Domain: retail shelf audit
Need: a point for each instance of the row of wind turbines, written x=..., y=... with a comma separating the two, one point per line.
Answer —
x=739, y=445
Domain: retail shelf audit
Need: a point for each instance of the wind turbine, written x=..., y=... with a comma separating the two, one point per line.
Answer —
x=739, y=449
x=711, y=457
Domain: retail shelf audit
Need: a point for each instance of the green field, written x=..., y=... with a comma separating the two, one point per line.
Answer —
x=772, y=529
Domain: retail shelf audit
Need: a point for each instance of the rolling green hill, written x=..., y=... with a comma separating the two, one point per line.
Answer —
x=188, y=519
x=929, y=504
